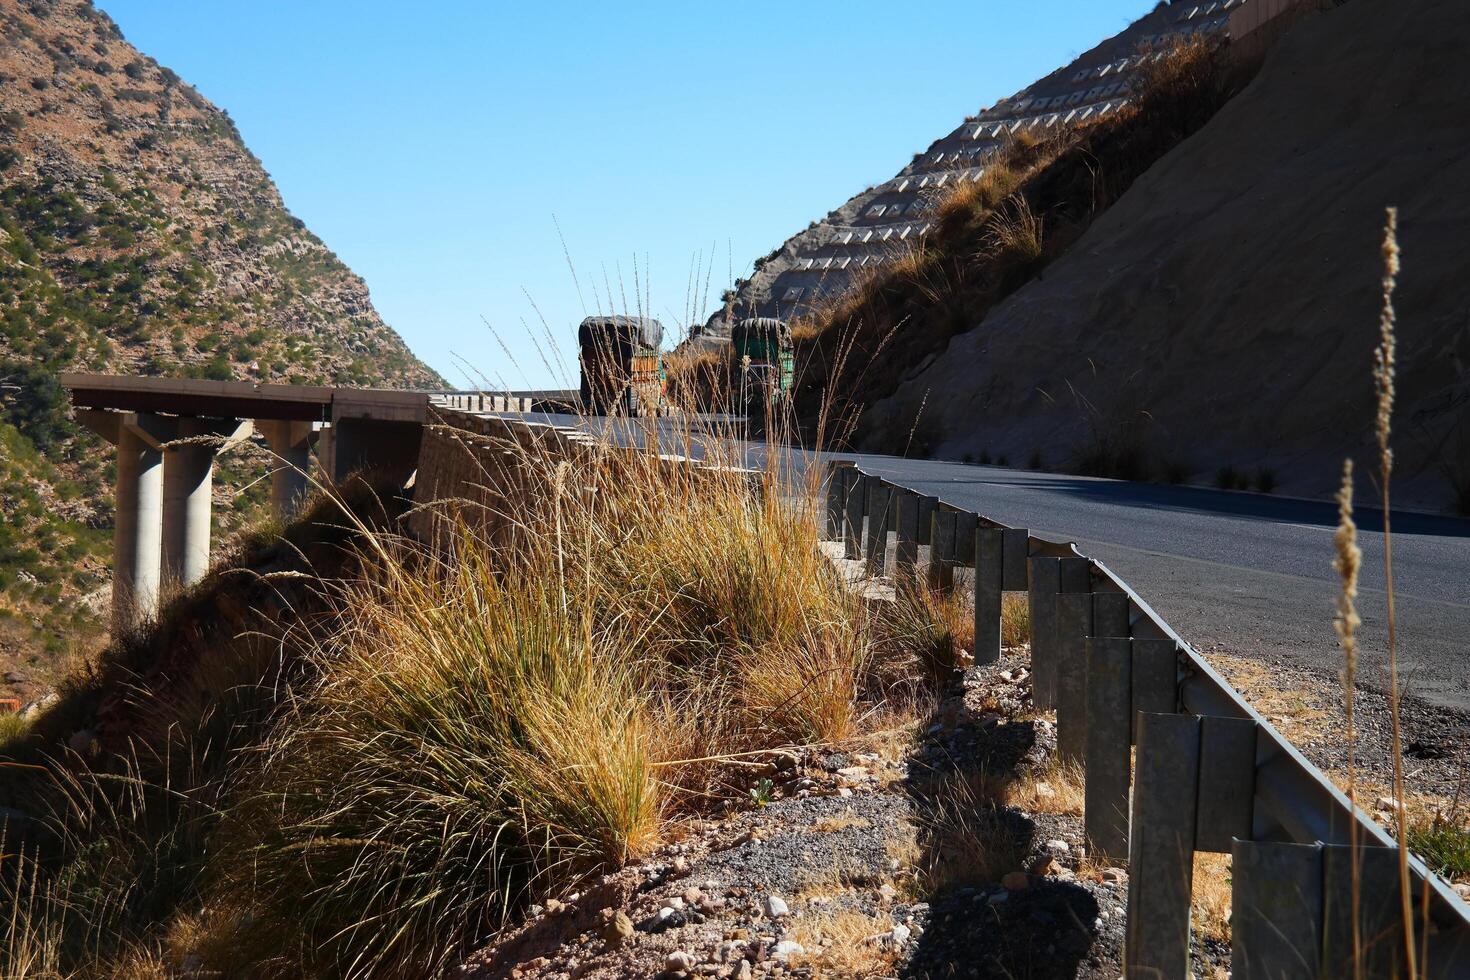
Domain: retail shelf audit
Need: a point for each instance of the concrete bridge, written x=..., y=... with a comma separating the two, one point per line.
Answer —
x=168, y=432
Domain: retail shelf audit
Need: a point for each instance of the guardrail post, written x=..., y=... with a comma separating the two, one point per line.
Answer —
x=1109, y=700
x=1380, y=917
x=1015, y=550
x=1045, y=583
x=942, y=551
x=1161, y=856
x=880, y=503
x=927, y=506
x=906, y=540
x=965, y=524
x=1227, y=782
x=1074, y=626
x=838, y=474
x=1155, y=679
x=989, y=578
x=852, y=521
x=1276, y=911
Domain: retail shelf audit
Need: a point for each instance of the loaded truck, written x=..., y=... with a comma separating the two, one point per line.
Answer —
x=622, y=369
x=767, y=362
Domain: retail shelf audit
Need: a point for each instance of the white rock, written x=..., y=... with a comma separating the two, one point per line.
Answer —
x=844, y=792
x=788, y=947
x=1058, y=846
x=679, y=962
x=742, y=970
x=900, y=934
x=775, y=906
x=674, y=902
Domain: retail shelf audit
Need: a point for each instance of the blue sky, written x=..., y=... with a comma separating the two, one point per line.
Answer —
x=437, y=146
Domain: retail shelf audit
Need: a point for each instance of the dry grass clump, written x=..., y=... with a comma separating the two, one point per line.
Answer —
x=1016, y=232
x=12, y=728
x=1015, y=620
x=936, y=627
x=1210, y=898
x=596, y=648
x=842, y=943
x=1056, y=789
x=970, y=837
x=846, y=821
x=495, y=724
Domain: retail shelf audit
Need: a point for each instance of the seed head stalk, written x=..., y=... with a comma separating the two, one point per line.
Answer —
x=1383, y=385
x=1347, y=563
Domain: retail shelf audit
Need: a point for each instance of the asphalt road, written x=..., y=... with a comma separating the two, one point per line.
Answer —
x=1243, y=573
x=1237, y=573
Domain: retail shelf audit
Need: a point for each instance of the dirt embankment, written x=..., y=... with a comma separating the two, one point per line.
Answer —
x=1224, y=311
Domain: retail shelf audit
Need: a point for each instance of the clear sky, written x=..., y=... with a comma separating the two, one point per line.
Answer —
x=436, y=147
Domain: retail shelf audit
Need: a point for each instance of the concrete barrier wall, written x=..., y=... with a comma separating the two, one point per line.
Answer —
x=1208, y=772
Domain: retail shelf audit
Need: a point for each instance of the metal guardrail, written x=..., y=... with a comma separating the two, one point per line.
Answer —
x=1208, y=772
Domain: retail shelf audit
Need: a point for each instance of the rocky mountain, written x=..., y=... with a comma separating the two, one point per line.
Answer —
x=137, y=234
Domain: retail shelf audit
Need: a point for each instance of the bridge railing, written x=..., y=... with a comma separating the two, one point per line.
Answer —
x=1175, y=761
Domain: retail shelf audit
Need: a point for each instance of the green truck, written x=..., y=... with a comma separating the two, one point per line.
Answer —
x=767, y=365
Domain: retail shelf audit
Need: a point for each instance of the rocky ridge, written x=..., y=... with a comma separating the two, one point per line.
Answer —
x=138, y=234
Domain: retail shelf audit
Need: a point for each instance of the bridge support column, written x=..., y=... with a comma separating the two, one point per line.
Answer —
x=290, y=442
x=188, y=486
x=137, y=539
x=138, y=529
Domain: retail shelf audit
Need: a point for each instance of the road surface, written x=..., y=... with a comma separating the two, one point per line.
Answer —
x=1237, y=573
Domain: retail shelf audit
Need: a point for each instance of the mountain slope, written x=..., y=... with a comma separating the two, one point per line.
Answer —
x=1222, y=314
x=137, y=234
x=878, y=227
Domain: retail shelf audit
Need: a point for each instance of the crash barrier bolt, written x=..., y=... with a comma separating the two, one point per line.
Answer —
x=856, y=505
x=880, y=503
x=906, y=540
x=1045, y=583
x=989, y=575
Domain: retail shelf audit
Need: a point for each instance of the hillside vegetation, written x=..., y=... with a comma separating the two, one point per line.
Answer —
x=993, y=236
x=137, y=235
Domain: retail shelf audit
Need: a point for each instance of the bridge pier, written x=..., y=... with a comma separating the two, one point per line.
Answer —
x=137, y=540
x=290, y=442
x=168, y=431
x=188, y=494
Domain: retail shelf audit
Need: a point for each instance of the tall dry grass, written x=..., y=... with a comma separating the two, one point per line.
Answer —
x=497, y=721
